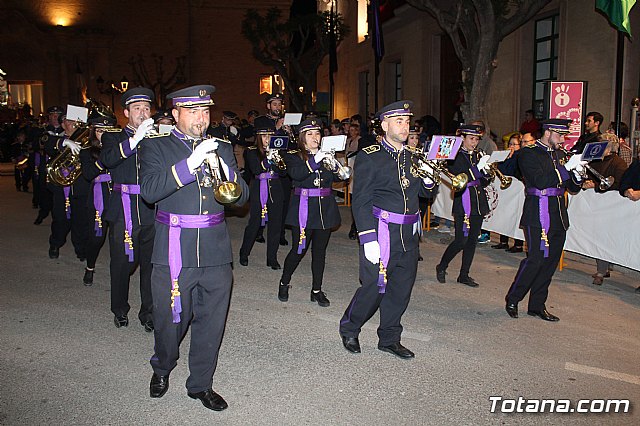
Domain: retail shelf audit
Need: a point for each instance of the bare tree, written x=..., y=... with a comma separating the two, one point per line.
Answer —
x=476, y=28
x=293, y=48
x=158, y=82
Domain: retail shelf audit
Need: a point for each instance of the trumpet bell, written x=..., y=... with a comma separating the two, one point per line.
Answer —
x=227, y=192
x=344, y=172
x=459, y=182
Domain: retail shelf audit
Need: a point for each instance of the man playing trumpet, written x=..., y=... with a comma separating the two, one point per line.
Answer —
x=191, y=279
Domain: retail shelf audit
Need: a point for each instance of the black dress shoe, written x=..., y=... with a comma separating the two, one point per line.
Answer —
x=88, y=277
x=420, y=258
x=441, y=274
x=54, y=252
x=512, y=309
x=210, y=399
x=398, y=350
x=121, y=321
x=351, y=344
x=38, y=220
x=284, y=242
x=244, y=260
x=353, y=235
x=544, y=314
x=515, y=249
x=82, y=258
x=468, y=281
x=321, y=298
x=148, y=326
x=283, y=292
x=260, y=239
x=500, y=246
x=274, y=265
x=638, y=289
x=158, y=386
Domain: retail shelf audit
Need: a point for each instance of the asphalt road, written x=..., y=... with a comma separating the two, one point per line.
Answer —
x=63, y=362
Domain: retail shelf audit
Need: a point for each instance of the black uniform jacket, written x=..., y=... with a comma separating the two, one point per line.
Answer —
x=541, y=168
x=222, y=132
x=630, y=178
x=509, y=167
x=377, y=175
x=257, y=167
x=466, y=162
x=167, y=182
x=323, y=211
x=91, y=169
x=124, y=166
x=52, y=147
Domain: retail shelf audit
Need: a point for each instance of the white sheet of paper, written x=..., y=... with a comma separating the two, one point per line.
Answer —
x=498, y=156
x=335, y=143
x=165, y=128
x=292, y=118
x=76, y=113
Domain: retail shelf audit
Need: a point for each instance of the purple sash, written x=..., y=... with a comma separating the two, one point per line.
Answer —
x=67, y=202
x=466, y=206
x=264, y=194
x=303, y=209
x=98, y=202
x=545, y=221
x=126, y=189
x=176, y=222
x=384, y=219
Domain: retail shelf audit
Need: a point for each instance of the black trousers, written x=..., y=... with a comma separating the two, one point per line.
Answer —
x=94, y=243
x=318, y=239
x=461, y=243
x=205, y=294
x=504, y=239
x=401, y=275
x=78, y=224
x=286, y=196
x=44, y=199
x=121, y=269
x=22, y=178
x=535, y=271
x=274, y=227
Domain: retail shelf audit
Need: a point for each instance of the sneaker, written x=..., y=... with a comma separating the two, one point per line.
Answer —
x=444, y=229
x=321, y=298
x=88, y=277
x=484, y=238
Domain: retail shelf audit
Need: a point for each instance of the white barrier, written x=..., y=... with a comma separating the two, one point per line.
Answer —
x=602, y=226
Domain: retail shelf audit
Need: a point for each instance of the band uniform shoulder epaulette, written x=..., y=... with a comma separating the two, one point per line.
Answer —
x=371, y=149
x=533, y=145
x=293, y=151
x=252, y=147
x=112, y=129
x=158, y=135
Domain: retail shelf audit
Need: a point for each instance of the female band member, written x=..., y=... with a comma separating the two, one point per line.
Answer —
x=95, y=172
x=313, y=211
x=266, y=198
x=469, y=206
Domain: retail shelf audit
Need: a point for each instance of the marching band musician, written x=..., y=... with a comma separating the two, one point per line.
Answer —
x=469, y=206
x=68, y=211
x=95, y=172
x=544, y=217
x=130, y=218
x=313, y=211
x=266, y=198
x=192, y=257
x=41, y=193
x=385, y=207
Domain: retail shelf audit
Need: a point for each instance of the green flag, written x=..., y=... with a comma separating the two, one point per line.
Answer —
x=618, y=12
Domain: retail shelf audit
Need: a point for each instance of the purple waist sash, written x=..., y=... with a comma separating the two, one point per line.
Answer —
x=176, y=222
x=264, y=194
x=384, y=219
x=466, y=206
x=125, y=189
x=543, y=207
x=98, y=201
x=303, y=209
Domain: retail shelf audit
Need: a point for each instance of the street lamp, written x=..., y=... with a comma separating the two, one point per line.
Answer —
x=111, y=88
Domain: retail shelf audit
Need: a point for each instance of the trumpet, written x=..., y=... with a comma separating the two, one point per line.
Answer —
x=332, y=164
x=505, y=181
x=276, y=158
x=419, y=161
x=605, y=182
x=225, y=192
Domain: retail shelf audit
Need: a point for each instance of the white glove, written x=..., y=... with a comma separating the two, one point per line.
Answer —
x=73, y=146
x=141, y=132
x=202, y=151
x=484, y=162
x=233, y=130
x=427, y=168
x=577, y=174
x=270, y=154
x=372, y=252
x=575, y=162
x=428, y=181
x=225, y=167
x=321, y=155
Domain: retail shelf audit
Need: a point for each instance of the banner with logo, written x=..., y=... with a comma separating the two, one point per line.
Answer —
x=601, y=225
x=566, y=100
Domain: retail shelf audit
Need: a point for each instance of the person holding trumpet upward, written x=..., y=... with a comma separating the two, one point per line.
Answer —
x=192, y=273
x=267, y=199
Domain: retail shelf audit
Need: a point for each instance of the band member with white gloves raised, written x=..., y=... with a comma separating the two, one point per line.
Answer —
x=387, y=214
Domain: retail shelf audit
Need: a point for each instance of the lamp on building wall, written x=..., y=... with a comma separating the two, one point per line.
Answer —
x=111, y=88
x=271, y=83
